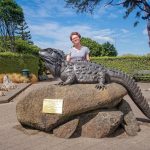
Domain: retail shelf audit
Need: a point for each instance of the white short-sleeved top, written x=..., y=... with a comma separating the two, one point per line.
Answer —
x=77, y=55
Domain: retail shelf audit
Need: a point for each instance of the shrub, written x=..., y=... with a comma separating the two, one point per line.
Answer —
x=128, y=64
x=33, y=78
x=18, y=78
x=13, y=62
x=26, y=48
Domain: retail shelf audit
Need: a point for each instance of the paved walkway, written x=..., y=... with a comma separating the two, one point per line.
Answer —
x=13, y=137
x=8, y=96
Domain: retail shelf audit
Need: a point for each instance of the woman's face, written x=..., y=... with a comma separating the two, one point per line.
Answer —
x=75, y=39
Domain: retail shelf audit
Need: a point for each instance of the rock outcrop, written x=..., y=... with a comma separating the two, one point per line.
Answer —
x=2, y=93
x=7, y=84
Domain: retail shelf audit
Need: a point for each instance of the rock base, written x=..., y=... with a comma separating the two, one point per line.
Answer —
x=87, y=111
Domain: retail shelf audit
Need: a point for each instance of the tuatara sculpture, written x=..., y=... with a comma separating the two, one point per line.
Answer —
x=87, y=72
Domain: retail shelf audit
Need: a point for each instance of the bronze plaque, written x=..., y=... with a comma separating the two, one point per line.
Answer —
x=52, y=106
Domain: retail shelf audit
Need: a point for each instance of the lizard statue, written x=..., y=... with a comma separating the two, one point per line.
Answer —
x=88, y=72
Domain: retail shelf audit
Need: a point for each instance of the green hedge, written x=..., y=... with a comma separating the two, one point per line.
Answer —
x=127, y=64
x=14, y=63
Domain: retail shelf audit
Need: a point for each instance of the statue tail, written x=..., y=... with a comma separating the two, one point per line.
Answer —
x=132, y=88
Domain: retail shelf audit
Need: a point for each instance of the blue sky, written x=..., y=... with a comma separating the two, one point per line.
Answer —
x=51, y=23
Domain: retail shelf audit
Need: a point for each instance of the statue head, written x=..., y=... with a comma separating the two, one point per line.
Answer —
x=53, y=59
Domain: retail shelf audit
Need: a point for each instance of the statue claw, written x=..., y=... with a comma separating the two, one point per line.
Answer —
x=100, y=86
x=61, y=83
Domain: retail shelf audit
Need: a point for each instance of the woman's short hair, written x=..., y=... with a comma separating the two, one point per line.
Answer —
x=74, y=33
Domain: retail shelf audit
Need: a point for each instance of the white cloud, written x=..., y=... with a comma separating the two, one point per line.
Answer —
x=125, y=31
x=113, y=16
x=48, y=8
x=100, y=11
x=145, y=31
x=104, y=35
x=108, y=11
x=105, y=39
x=55, y=35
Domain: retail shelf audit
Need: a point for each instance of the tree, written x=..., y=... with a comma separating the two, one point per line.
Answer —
x=97, y=49
x=10, y=16
x=110, y=50
x=24, y=47
x=130, y=5
x=141, y=6
x=23, y=32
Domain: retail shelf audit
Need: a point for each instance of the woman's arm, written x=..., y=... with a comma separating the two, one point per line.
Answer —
x=87, y=57
x=68, y=57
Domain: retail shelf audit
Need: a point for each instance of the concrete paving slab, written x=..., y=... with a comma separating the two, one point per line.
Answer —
x=9, y=95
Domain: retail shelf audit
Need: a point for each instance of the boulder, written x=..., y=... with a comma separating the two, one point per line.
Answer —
x=66, y=130
x=102, y=125
x=130, y=122
x=77, y=99
x=2, y=93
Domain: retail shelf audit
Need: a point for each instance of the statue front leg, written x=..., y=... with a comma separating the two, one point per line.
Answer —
x=70, y=80
x=101, y=81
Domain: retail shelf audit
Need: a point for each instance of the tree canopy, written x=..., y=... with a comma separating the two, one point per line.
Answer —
x=97, y=49
x=109, y=49
x=14, y=32
x=11, y=14
x=130, y=5
x=23, y=32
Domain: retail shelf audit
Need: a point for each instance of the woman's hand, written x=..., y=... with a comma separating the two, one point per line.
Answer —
x=68, y=58
x=87, y=57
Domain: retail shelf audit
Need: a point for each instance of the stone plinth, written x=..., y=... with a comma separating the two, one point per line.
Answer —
x=77, y=99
